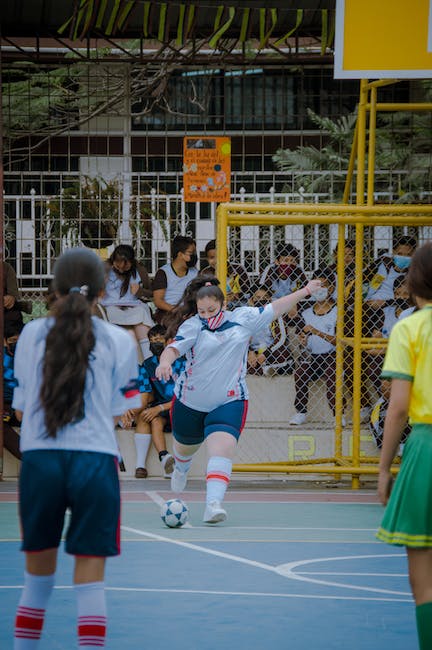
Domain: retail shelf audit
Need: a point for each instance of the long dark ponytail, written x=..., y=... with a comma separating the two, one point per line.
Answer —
x=78, y=279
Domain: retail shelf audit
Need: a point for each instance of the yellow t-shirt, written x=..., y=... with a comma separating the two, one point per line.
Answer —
x=409, y=356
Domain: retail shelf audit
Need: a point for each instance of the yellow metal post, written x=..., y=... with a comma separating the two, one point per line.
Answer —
x=340, y=268
x=372, y=146
x=221, y=245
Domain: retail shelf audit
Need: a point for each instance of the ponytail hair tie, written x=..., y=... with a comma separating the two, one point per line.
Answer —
x=83, y=290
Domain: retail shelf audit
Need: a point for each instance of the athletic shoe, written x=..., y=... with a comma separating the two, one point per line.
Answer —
x=168, y=463
x=178, y=480
x=214, y=513
x=298, y=418
x=140, y=472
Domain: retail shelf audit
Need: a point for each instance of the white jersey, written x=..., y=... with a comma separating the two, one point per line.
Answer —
x=325, y=323
x=111, y=379
x=381, y=285
x=176, y=284
x=216, y=360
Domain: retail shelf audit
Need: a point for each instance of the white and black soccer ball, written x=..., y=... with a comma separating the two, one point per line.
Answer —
x=174, y=513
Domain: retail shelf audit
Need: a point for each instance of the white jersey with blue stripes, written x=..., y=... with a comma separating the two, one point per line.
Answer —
x=216, y=360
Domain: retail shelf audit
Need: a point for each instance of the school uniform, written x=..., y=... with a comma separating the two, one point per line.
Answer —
x=77, y=468
x=126, y=310
x=321, y=360
x=407, y=520
x=211, y=393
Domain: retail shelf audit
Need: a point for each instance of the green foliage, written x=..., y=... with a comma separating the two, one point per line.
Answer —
x=88, y=212
x=403, y=142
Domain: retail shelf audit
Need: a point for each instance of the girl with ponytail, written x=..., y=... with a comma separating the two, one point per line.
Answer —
x=76, y=376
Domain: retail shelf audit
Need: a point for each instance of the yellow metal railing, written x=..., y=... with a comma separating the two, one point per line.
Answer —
x=360, y=215
x=246, y=214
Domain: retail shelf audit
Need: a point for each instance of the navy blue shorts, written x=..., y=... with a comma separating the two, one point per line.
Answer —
x=191, y=427
x=87, y=483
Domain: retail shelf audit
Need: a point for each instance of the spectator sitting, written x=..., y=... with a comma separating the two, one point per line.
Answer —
x=172, y=279
x=269, y=349
x=317, y=333
x=349, y=266
x=378, y=415
x=379, y=276
x=285, y=275
x=11, y=295
x=238, y=285
x=12, y=330
x=127, y=285
x=400, y=303
x=152, y=419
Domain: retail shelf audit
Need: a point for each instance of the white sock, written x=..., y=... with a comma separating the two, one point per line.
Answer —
x=182, y=463
x=91, y=605
x=142, y=444
x=145, y=348
x=30, y=613
x=218, y=478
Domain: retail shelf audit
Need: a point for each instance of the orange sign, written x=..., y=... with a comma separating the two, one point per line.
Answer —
x=206, y=169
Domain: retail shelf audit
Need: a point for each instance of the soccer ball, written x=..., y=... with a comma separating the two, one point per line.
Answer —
x=174, y=513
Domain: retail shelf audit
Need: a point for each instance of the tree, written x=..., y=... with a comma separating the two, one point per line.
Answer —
x=403, y=142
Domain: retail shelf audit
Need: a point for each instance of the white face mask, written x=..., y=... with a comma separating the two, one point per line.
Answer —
x=321, y=294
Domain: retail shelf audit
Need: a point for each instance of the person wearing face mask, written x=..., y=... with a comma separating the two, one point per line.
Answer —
x=211, y=394
x=285, y=275
x=317, y=333
x=152, y=418
x=379, y=277
x=172, y=279
x=127, y=285
x=269, y=349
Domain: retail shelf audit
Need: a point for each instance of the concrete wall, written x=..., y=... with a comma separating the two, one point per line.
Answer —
x=267, y=436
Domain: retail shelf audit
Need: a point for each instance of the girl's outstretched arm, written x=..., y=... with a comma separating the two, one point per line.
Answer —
x=286, y=303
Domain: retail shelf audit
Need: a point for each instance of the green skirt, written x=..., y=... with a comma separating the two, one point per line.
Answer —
x=407, y=518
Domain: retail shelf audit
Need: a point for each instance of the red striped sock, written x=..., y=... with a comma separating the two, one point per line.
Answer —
x=30, y=613
x=217, y=478
x=28, y=627
x=91, y=631
x=92, y=622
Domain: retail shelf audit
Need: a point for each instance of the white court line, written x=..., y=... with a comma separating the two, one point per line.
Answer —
x=288, y=571
x=243, y=594
x=285, y=570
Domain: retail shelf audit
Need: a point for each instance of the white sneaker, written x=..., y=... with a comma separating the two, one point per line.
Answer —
x=298, y=418
x=168, y=464
x=214, y=513
x=178, y=480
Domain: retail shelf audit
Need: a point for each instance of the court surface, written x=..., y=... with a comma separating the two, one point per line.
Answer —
x=293, y=567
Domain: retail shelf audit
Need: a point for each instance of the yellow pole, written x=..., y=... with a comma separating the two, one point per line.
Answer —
x=221, y=245
x=358, y=297
x=351, y=166
x=400, y=106
x=340, y=268
x=372, y=147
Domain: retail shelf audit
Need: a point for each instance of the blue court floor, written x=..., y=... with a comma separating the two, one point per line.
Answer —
x=291, y=568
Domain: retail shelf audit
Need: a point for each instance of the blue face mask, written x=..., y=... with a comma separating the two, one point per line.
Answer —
x=401, y=261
